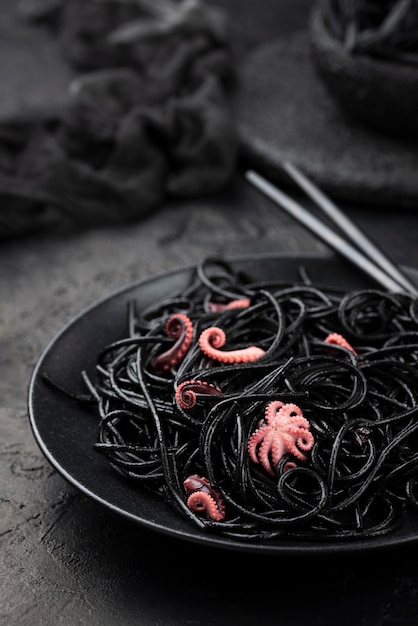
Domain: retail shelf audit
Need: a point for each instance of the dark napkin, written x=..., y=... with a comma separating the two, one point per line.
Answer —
x=147, y=116
x=284, y=112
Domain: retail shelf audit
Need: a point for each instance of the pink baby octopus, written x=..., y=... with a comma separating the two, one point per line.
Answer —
x=203, y=498
x=283, y=430
x=180, y=327
x=213, y=338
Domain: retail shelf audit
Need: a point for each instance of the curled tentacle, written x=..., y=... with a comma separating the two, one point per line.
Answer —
x=339, y=340
x=187, y=390
x=204, y=498
x=302, y=437
x=203, y=502
x=214, y=338
x=292, y=443
x=180, y=327
x=289, y=465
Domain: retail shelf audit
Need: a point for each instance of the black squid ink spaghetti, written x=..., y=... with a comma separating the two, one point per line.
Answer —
x=267, y=410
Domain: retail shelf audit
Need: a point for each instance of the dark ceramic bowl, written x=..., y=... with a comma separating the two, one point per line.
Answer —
x=381, y=94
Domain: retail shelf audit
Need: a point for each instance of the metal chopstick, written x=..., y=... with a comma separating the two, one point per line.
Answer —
x=329, y=236
x=349, y=228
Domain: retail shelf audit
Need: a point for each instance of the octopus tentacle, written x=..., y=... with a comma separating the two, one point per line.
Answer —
x=267, y=446
x=213, y=338
x=203, y=502
x=279, y=447
x=204, y=498
x=253, y=442
x=180, y=327
x=303, y=437
x=339, y=340
x=278, y=410
x=289, y=445
x=294, y=424
x=239, y=303
x=260, y=453
x=289, y=465
x=187, y=390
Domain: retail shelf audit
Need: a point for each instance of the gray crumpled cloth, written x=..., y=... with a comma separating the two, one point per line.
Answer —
x=147, y=117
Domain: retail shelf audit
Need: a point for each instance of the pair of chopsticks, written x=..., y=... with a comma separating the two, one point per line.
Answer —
x=352, y=243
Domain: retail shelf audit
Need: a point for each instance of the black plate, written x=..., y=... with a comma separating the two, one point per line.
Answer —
x=66, y=431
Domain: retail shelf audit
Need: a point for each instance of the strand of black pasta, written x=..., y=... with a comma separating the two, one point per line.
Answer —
x=379, y=462
x=237, y=290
